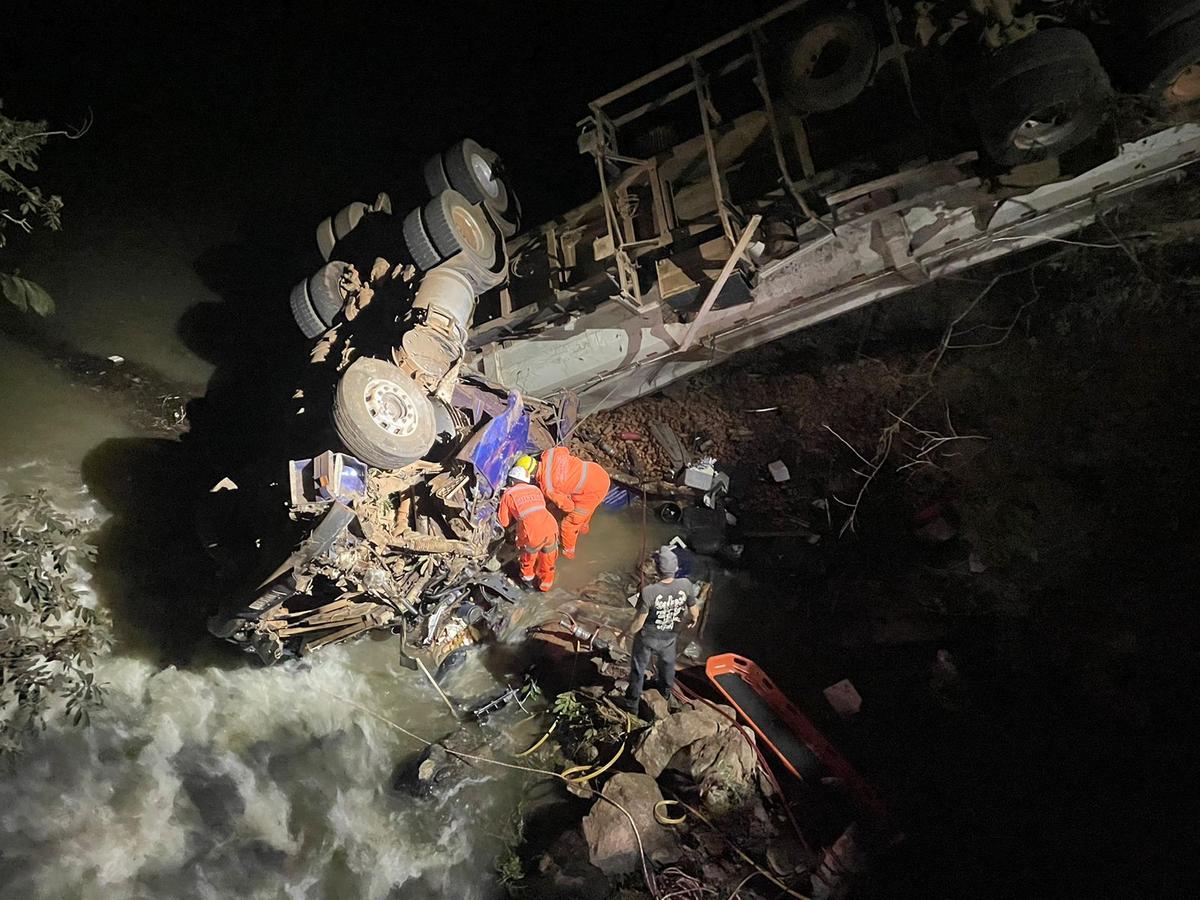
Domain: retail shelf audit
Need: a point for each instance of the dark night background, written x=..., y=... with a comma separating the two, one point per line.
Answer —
x=292, y=110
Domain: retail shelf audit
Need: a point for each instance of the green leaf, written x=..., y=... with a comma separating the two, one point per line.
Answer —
x=14, y=290
x=26, y=294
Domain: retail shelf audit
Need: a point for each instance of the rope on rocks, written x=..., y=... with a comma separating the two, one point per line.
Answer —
x=647, y=872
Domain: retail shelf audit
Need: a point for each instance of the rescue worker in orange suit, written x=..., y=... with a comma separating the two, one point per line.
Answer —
x=537, y=533
x=574, y=486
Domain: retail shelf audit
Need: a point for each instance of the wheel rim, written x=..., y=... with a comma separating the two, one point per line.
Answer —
x=1044, y=128
x=468, y=229
x=390, y=408
x=485, y=176
x=1185, y=88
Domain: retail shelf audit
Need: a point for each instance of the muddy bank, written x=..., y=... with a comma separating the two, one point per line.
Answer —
x=144, y=398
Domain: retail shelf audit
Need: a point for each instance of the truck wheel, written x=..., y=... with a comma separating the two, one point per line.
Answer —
x=381, y=415
x=1039, y=97
x=306, y=318
x=458, y=227
x=830, y=63
x=1170, y=64
x=477, y=174
x=420, y=247
x=326, y=238
x=325, y=293
x=348, y=217
x=469, y=171
x=435, y=175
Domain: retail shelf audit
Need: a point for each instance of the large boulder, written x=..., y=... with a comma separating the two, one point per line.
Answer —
x=612, y=844
x=670, y=735
x=724, y=767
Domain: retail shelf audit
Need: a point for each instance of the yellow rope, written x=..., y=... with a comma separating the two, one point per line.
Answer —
x=545, y=737
x=569, y=776
x=647, y=873
x=660, y=814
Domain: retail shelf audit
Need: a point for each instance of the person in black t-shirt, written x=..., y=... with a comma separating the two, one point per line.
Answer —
x=664, y=610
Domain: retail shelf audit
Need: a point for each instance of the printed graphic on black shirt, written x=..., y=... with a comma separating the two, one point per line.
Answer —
x=666, y=603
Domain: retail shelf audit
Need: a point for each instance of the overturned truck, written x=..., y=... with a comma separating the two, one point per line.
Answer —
x=404, y=534
x=813, y=161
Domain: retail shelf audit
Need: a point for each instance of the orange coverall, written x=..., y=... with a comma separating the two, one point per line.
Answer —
x=574, y=486
x=537, y=532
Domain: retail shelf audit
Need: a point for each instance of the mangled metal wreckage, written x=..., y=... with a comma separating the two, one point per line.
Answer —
x=415, y=549
x=778, y=212
x=405, y=534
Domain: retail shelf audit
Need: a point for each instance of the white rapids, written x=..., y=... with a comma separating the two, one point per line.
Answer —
x=230, y=779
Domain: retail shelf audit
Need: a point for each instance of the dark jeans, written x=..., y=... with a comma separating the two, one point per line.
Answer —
x=661, y=645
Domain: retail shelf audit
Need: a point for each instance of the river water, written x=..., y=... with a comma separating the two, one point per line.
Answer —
x=224, y=778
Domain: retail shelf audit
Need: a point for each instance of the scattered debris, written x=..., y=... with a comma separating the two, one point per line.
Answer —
x=844, y=699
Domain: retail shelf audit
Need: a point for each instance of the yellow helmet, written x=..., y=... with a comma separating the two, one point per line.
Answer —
x=526, y=462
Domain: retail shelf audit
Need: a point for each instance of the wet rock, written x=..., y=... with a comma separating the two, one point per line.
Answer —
x=430, y=769
x=612, y=844
x=724, y=767
x=670, y=735
x=722, y=715
x=564, y=871
x=656, y=703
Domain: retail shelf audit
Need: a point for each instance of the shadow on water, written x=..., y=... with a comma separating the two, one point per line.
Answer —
x=172, y=548
x=160, y=565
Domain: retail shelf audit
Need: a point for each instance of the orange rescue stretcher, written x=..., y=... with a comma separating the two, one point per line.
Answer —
x=790, y=735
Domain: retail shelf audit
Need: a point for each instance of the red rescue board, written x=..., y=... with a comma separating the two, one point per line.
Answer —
x=790, y=735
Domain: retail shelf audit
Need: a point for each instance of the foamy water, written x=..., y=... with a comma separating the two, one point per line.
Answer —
x=221, y=781
x=248, y=782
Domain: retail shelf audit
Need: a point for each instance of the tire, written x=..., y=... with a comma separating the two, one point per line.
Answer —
x=326, y=238
x=435, y=175
x=1169, y=65
x=325, y=293
x=456, y=226
x=1040, y=97
x=477, y=174
x=348, y=217
x=420, y=247
x=830, y=63
x=309, y=322
x=381, y=415
x=469, y=171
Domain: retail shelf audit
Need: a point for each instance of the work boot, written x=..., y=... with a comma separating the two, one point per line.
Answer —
x=628, y=704
x=546, y=585
x=526, y=583
x=568, y=553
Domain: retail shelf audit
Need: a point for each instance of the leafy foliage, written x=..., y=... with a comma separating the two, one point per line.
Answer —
x=585, y=724
x=25, y=295
x=22, y=205
x=49, y=636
